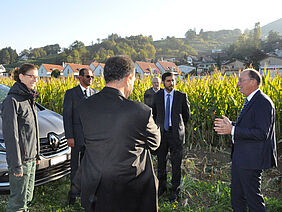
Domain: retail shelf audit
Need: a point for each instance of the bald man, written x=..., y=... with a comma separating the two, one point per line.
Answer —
x=149, y=94
x=253, y=138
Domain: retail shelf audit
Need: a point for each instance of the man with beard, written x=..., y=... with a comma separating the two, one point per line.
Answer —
x=116, y=173
x=171, y=111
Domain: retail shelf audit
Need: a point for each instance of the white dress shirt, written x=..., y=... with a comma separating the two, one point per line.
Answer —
x=83, y=89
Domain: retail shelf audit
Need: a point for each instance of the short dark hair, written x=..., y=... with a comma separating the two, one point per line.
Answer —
x=24, y=68
x=254, y=74
x=117, y=68
x=167, y=74
x=81, y=71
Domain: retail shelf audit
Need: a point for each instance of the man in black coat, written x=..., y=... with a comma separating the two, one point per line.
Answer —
x=149, y=94
x=116, y=173
x=253, y=137
x=72, y=126
x=171, y=111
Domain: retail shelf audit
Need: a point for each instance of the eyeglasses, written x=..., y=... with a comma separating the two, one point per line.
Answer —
x=32, y=76
x=242, y=80
x=88, y=76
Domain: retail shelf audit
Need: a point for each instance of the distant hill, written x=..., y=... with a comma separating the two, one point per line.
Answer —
x=275, y=26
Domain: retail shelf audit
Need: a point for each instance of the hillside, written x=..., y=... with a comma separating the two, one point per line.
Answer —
x=275, y=26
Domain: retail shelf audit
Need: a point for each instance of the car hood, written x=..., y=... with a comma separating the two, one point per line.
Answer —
x=48, y=121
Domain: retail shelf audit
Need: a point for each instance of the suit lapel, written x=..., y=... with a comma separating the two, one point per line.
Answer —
x=162, y=102
x=249, y=105
x=78, y=92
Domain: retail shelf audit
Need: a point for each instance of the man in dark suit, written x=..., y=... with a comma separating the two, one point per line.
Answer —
x=116, y=173
x=171, y=111
x=72, y=126
x=149, y=94
x=253, y=136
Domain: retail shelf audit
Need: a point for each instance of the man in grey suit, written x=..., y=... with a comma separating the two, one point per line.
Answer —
x=171, y=111
x=149, y=94
x=254, y=142
x=72, y=126
x=116, y=170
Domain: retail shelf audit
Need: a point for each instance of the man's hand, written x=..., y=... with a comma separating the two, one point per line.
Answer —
x=70, y=142
x=222, y=126
x=37, y=162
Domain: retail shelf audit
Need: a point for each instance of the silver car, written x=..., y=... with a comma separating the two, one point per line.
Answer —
x=54, y=152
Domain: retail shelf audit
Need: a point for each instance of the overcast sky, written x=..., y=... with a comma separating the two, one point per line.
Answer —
x=36, y=23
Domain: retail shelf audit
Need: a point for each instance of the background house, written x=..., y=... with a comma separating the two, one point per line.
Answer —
x=99, y=70
x=2, y=70
x=167, y=66
x=145, y=68
x=233, y=66
x=45, y=70
x=93, y=66
x=185, y=69
x=72, y=69
x=272, y=64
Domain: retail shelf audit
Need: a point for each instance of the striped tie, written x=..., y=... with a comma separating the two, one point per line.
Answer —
x=244, y=108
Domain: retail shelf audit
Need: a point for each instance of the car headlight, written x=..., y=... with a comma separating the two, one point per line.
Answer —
x=2, y=146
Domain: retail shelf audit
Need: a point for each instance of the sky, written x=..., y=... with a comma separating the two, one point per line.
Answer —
x=37, y=23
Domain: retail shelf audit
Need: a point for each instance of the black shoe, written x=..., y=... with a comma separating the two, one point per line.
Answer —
x=71, y=199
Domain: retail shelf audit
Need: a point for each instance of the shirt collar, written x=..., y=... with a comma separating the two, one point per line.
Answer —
x=171, y=93
x=252, y=94
x=82, y=88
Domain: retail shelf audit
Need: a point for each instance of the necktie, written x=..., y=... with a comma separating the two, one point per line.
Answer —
x=85, y=93
x=167, y=112
x=244, y=108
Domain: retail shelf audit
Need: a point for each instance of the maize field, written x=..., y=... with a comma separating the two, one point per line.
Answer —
x=209, y=96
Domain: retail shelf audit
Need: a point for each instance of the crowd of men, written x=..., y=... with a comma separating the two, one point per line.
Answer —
x=112, y=138
x=116, y=136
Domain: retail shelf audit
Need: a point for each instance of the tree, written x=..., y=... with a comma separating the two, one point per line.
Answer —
x=273, y=36
x=55, y=73
x=5, y=57
x=76, y=45
x=190, y=34
x=52, y=49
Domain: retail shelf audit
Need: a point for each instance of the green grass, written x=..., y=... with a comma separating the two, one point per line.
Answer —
x=205, y=186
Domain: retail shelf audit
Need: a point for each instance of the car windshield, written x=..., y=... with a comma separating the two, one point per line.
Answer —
x=3, y=92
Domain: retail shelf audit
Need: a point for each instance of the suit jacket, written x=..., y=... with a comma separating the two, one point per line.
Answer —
x=149, y=97
x=180, y=113
x=73, y=99
x=116, y=170
x=254, y=135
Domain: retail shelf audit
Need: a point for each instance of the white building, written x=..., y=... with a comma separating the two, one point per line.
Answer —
x=2, y=70
x=145, y=68
x=99, y=70
x=184, y=69
x=45, y=70
x=72, y=69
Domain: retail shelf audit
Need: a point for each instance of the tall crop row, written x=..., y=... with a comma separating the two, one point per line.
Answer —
x=209, y=97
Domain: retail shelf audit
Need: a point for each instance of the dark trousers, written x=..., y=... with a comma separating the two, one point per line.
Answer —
x=76, y=157
x=246, y=190
x=169, y=143
x=21, y=188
